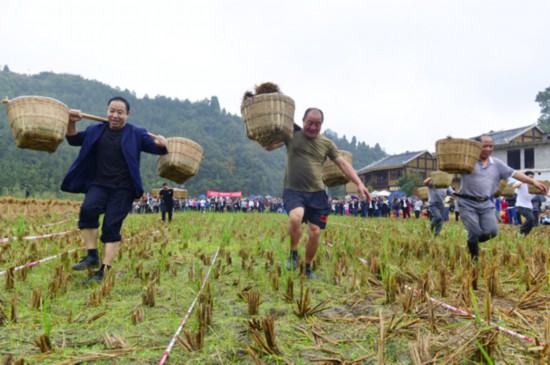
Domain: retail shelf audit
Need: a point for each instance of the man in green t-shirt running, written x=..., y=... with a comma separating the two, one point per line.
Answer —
x=304, y=195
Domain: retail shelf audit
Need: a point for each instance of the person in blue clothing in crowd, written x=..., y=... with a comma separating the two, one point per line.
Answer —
x=511, y=210
x=496, y=201
x=107, y=172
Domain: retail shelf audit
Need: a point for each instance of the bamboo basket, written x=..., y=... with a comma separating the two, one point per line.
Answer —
x=508, y=191
x=38, y=123
x=182, y=160
x=268, y=118
x=455, y=155
x=534, y=190
x=500, y=189
x=180, y=193
x=441, y=179
x=422, y=193
x=332, y=175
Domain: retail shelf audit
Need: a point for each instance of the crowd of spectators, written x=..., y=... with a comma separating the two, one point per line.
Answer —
x=507, y=212
x=379, y=207
x=148, y=204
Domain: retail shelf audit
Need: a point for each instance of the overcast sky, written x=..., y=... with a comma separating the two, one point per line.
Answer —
x=400, y=73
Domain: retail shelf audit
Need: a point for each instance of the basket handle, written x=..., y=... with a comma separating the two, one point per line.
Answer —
x=102, y=119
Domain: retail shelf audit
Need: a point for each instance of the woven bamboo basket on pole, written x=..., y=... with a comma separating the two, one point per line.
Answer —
x=332, y=175
x=456, y=155
x=422, y=193
x=534, y=190
x=155, y=193
x=38, y=123
x=182, y=160
x=268, y=118
x=500, y=189
x=441, y=179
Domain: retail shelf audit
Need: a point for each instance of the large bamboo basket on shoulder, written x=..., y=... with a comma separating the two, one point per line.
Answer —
x=268, y=118
x=182, y=160
x=332, y=175
x=441, y=179
x=37, y=122
x=456, y=155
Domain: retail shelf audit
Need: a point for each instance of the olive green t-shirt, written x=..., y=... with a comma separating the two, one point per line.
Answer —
x=304, y=161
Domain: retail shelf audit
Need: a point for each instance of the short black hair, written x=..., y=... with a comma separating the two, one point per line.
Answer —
x=164, y=184
x=529, y=173
x=120, y=98
x=308, y=110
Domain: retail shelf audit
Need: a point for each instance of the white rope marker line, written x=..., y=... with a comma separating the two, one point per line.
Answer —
x=464, y=313
x=31, y=264
x=169, y=348
x=60, y=254
x=2, y=240
x=55, y=223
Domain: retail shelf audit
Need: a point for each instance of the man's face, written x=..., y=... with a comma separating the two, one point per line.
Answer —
x=117, y=114
x=486, y=147
x=312, y=124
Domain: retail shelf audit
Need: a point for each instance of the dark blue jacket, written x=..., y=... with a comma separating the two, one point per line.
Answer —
x=83, y=170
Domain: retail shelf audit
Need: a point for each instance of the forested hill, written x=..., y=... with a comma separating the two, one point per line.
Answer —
x=231, y=161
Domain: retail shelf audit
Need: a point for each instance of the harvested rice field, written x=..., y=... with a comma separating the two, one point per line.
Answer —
x=214, y=289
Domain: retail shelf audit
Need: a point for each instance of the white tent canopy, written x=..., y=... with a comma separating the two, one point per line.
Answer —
x=376, y=193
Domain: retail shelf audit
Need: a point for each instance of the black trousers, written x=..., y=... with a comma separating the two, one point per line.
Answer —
x=166, y=208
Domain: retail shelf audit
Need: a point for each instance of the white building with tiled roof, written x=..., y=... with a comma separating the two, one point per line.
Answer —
x=524, y=148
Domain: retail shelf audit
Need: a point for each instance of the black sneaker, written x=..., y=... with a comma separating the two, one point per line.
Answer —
x=294, y=263
x=86, y=263
x=311, y=275
x=97, y=277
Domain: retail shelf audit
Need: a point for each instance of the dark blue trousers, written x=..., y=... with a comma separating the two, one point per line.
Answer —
x=114, y=202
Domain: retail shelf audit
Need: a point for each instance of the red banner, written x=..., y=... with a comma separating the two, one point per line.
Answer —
x=236, y=194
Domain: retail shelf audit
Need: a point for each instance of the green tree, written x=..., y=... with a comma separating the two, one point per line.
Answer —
x=231, y=161
x=543, y=98
x=215, y=104
x=409, y=181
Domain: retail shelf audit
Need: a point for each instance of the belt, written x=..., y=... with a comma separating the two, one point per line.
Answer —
x=471, y=197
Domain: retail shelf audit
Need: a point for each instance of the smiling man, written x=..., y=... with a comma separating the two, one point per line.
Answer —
x=304, y=195
x=107, y=171
x=476, y=208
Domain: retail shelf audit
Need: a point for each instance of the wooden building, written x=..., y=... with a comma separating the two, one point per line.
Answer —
x=384, y=173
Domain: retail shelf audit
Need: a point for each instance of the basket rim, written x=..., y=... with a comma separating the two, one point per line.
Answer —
x=459, y=140
x=20, y=98
x=258, y=98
